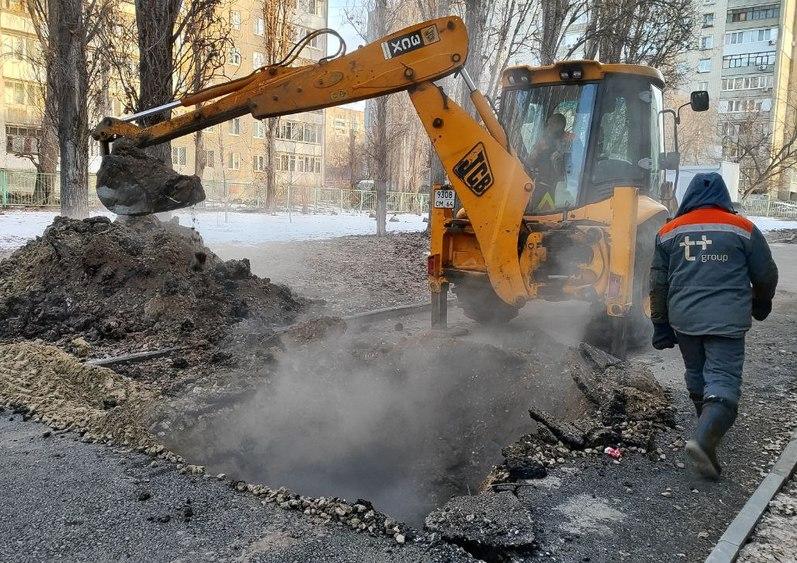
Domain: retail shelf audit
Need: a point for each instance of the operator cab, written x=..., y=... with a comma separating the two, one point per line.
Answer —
x=583, y=128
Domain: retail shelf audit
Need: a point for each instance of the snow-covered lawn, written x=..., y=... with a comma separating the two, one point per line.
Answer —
x=773, y=224
x=18, y=226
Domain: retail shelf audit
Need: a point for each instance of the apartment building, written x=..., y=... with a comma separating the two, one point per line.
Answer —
x=20, y=118
x=744, y=57
x=344, y=146
x=235, y=151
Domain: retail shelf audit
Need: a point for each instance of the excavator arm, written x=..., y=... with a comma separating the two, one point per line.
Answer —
x=489, y=180
x=423, y=52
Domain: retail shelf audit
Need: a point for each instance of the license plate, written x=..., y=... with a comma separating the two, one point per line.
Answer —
x=444, y=199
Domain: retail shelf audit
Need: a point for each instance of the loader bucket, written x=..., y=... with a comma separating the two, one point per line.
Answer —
x=131, y=182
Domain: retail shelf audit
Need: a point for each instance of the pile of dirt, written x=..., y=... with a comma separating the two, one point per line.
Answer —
x=44, y=382
x=98, y=288
x=783, y=236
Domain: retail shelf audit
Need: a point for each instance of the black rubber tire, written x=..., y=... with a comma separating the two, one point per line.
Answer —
x=479, y=302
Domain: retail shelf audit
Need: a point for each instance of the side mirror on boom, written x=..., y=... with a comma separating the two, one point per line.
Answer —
x=699, y=100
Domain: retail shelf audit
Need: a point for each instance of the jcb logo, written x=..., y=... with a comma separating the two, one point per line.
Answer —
x=474, y=170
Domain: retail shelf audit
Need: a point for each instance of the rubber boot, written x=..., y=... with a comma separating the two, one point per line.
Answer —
x=697, y=400
x=715, y=420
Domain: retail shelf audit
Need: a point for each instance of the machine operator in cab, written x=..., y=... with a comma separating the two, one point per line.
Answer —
x=547, y=157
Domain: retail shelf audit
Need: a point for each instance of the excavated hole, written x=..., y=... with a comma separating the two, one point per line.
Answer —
x=406, y=426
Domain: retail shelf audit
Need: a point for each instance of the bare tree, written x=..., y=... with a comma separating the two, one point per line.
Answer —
x=764, y=159
x=278, y=39
x=175, y=47
x=66, y=30
x=345, y=165
x=651, y=32
x=372, y=20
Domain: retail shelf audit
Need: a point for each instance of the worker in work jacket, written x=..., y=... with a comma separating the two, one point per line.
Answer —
x=711, y=270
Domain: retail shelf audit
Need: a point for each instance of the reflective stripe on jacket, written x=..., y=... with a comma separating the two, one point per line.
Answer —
x=708, y=263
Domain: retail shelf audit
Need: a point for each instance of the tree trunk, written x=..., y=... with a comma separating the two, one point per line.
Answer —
x=71, y=81
x=380, y=167
x=155, y=21
x=553, y=17
x=200, y=156
x=352, y=159
x=272, y=124
x=48, y=162
x=476, y=22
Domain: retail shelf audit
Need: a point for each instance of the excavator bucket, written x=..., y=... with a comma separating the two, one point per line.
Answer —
x=131, y=182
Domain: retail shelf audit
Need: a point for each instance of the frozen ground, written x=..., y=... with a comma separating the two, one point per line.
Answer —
x=17, y=226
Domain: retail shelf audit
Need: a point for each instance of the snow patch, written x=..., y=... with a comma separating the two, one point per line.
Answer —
x=217, y=227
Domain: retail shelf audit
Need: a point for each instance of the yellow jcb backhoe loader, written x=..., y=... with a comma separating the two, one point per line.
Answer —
x=557, y=193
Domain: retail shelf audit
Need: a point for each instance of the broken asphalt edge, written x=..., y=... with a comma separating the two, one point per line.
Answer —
x=735, y=536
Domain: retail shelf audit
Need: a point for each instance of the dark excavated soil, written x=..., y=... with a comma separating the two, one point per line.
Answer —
x=97, y=287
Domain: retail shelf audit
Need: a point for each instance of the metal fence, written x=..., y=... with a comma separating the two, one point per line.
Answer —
x=763, y=206
x=29, y=189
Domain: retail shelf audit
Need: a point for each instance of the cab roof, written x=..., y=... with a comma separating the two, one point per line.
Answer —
x=521, y=75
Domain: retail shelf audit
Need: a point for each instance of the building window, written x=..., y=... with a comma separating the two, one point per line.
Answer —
x=769, y=34
x=258, y=60
x=707, y=42
x=747, y=82
x=259, y=163
x=771, y=11
x=210, y=158
x=179, y=156
x=235, y=126
x=22, y=140
x=21, y=93
x=233, y=161
x=258, y=26
x=708, y=20
x=18, y=48
x=235, y=19
x=259, y=130
x=748, y=105
x=702, y=85
x=310, y=134
x=760, y=59
x=315, y=7
x=235, y=57
x=704, y=65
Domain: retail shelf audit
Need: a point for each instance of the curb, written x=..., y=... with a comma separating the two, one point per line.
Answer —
x=735, y=536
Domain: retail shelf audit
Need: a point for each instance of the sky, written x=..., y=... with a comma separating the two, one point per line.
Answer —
x=338, y=22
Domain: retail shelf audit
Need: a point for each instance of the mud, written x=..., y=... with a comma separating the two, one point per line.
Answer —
x=131, y=182
x=102, y=288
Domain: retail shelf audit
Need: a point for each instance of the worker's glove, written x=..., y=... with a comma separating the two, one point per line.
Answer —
x=761, y=308
x=663, y=336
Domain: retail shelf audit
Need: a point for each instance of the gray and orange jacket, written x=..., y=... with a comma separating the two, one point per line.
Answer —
x=708, y=265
